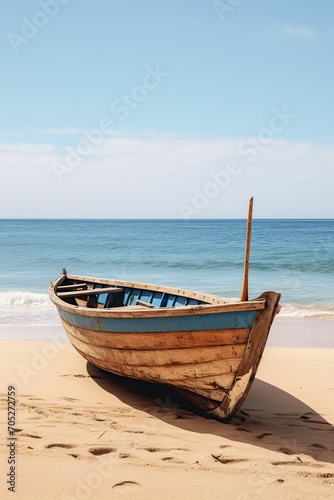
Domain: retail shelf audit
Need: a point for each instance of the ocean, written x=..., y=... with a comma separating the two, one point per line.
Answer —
x=295, y=257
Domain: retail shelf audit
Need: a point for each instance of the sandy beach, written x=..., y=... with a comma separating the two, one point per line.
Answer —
x=82, y=433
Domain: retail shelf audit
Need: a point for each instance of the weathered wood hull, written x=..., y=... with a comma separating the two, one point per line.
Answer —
x=209, y=351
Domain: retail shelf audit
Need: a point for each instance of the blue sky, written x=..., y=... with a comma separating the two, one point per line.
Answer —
x=172, y=109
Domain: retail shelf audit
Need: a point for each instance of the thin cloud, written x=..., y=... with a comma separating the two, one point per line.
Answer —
x=301, y=31
x=65, y=131
x=50, y=131
x=25, y=155
x=165, y=172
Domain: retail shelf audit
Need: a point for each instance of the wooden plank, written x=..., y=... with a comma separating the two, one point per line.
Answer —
x=217, y=394
x=81, y=302
x=90, y=291
x=127, y=312
x=161, y=340
x=161, y=357
x=77, y=286
x=165, y=374
x=204, y=397
x=144, y=303
x=222, y=382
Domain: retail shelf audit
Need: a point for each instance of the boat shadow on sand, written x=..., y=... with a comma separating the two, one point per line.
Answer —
x=269, y=418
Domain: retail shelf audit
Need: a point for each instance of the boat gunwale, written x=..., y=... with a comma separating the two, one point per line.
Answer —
x=217, y=305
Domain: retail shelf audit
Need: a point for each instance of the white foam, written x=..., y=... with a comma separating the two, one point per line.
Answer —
x=300, y=311
x=19, y=297
x=21, y=307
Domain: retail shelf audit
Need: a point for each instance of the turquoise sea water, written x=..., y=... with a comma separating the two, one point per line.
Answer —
x=295, y=257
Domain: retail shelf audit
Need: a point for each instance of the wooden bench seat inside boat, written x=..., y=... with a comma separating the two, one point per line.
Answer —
x=89, y=291
x=76, y=286
x=144, y=303
x=129, y=308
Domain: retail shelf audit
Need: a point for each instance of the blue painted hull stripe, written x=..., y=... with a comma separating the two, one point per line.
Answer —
x=217, y=321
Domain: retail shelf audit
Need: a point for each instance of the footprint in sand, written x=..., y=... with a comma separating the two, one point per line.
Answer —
x=173, y=460
x=31, y=435
x=286, y=451
x=317, y=445
x=222, y=460
x=126, y=485
x=263, y=435
x=155, y=450
x=134, y=431
x=60, y=445
x=103, y=450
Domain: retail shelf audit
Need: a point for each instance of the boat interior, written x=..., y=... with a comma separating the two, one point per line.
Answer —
x=105, y=296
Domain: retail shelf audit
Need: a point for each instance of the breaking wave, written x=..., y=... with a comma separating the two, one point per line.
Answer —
x=19, y=297
x=305, y=311
x=19, y=307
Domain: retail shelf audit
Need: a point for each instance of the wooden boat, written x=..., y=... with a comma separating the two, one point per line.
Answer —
x=206, y=347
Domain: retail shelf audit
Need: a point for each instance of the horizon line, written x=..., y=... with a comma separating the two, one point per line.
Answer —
x=164, y=218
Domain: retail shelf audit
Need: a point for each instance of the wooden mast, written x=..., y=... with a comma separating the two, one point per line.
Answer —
x=244, y=291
